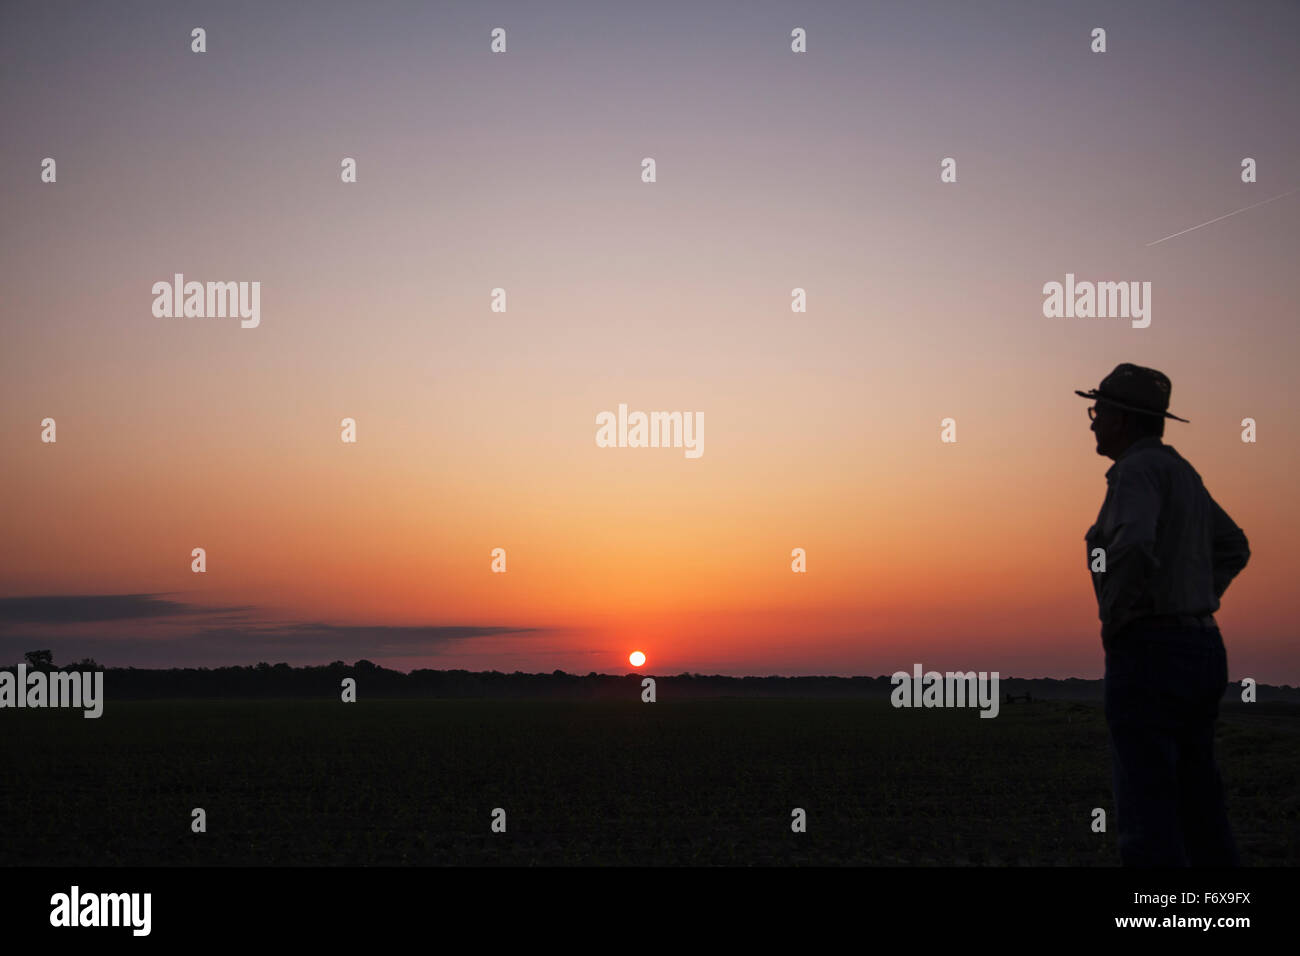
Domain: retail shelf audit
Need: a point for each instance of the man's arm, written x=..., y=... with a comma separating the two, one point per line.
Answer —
x=1130, y=533
x=1231, y=550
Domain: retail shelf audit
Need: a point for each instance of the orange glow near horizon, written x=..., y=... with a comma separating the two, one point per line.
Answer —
x=476, y=429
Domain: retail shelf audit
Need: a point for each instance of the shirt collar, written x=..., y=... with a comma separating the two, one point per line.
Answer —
x=1150, y=441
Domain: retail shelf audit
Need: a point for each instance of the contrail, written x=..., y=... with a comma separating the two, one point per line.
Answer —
x=1225, y=216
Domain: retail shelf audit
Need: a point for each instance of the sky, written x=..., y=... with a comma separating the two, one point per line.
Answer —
x=476, y=429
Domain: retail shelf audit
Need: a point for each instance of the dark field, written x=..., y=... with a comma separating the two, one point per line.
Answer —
x=596, y=782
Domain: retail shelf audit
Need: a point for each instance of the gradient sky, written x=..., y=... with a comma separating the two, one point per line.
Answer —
x=476, y=429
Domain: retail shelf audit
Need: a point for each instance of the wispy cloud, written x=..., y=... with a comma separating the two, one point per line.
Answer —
x=168, y=633
x=82, y=608
x=297, y=638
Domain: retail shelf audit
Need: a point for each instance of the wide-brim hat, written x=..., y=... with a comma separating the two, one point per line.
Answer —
x=1135, y=389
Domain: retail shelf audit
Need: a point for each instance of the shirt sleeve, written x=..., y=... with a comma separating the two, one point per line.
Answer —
x=1130, y=533
x=1231, y=550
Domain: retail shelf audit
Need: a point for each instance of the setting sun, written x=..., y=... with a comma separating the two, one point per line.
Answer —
x=637, y=658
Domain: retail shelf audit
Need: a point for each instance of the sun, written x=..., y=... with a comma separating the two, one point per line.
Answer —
x=637, y=658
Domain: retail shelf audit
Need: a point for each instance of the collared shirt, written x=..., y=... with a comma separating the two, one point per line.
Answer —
x=1169, y=547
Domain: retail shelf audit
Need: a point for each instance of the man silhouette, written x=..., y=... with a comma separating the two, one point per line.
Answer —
x=1167, y=554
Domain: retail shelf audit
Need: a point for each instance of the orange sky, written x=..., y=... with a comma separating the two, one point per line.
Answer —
x=476, y=429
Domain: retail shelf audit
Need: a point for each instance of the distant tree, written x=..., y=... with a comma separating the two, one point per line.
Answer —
x=85, y=664
x=364, y=665
x=40, y=660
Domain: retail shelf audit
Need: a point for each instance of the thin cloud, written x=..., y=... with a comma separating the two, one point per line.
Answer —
x=155, y=631
x=301, y=636
x=88, y=608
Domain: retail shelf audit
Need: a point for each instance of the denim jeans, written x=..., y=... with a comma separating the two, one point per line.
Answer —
x=1162, y=693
